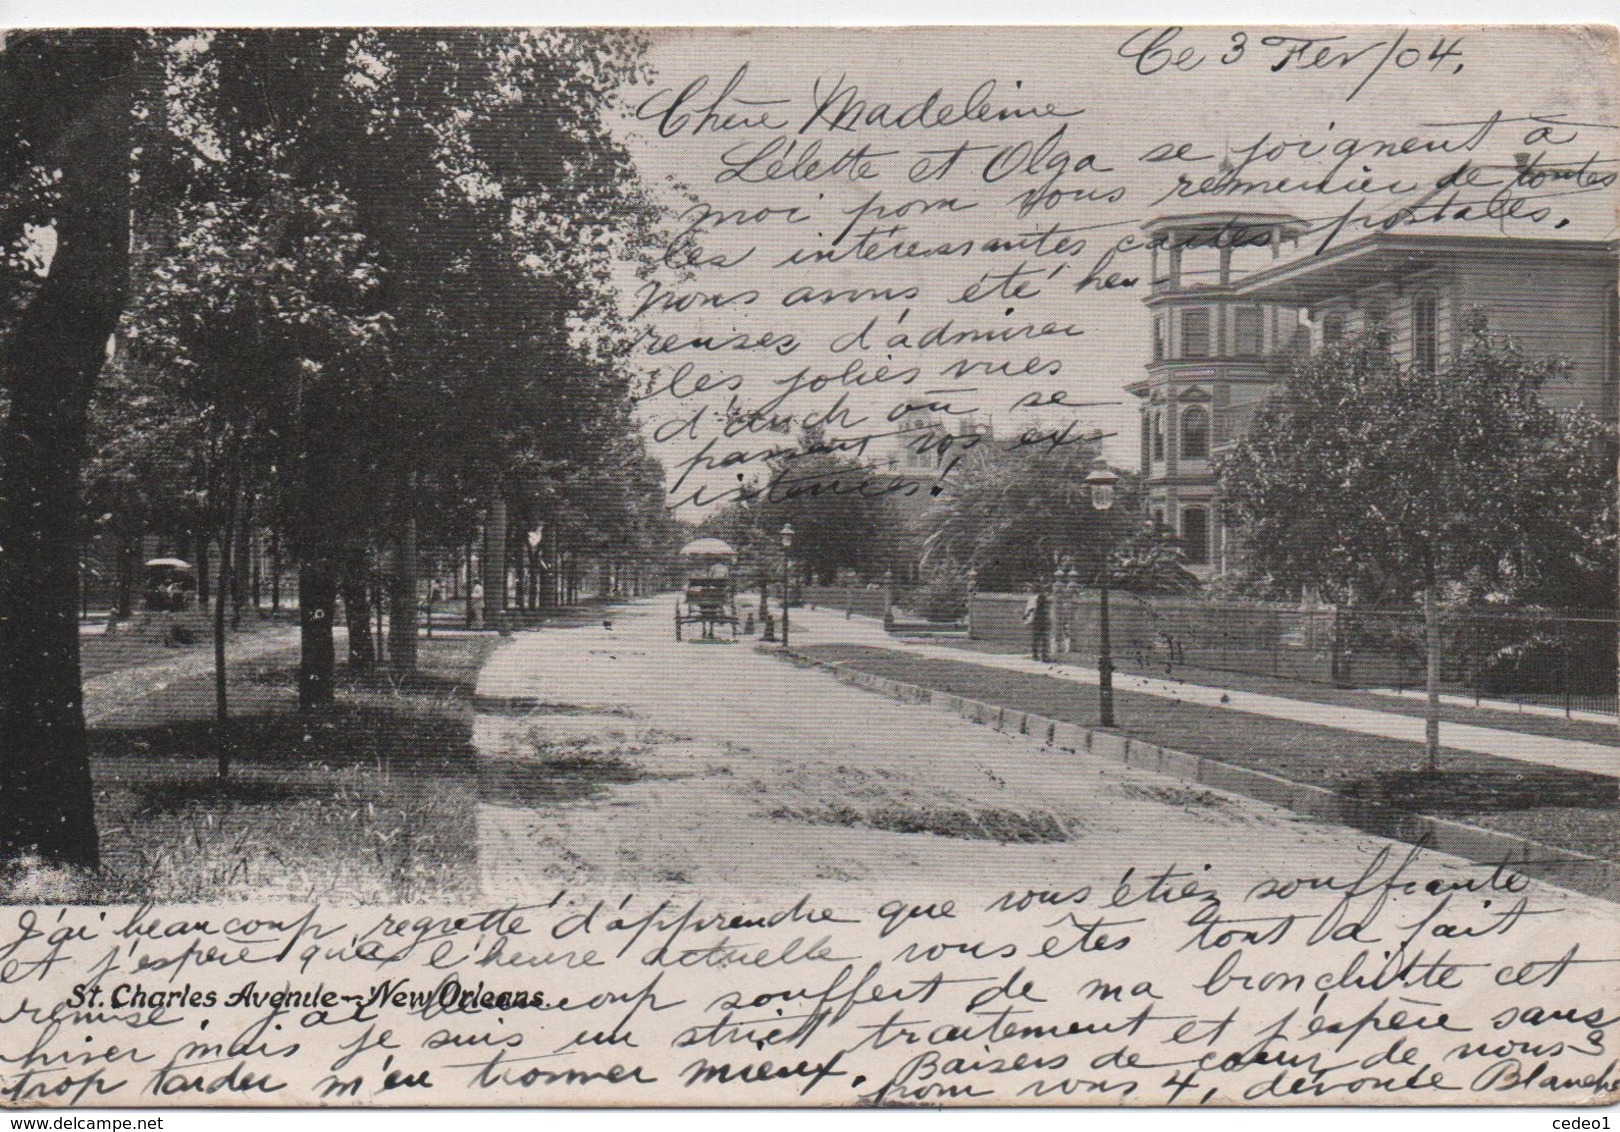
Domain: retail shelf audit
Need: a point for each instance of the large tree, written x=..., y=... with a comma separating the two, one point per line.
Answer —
x=470, y=170
x=483, y=196
x=259, y=307
x=491, y=198
x=1377, y=482
x=1017, y=511
x=67, y=120
x=835, y=505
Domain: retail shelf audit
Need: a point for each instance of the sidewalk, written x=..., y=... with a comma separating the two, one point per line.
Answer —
x=826, y=627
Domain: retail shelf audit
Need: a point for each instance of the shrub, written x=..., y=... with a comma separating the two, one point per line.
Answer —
x=942, y=597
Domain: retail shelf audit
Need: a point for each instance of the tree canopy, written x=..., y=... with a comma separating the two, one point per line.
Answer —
x=1372, y=480
x=371, y=287
x=1377, y=482
x=1016, y=512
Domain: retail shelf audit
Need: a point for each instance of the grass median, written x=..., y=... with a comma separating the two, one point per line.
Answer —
x=369, y=801
x=1484, y=715
x=1563, y=808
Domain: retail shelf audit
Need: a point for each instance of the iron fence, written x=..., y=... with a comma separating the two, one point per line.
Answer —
x=1526, y=658
x=1563, y=660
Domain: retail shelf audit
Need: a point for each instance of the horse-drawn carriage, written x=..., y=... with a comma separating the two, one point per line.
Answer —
x=710, y=599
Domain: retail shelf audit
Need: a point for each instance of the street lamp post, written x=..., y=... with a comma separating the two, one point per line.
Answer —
x=1074, y=607
x=972, y=588
x=787, y=575
x=1101, y=481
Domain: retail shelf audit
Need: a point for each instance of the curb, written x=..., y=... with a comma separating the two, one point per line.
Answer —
x=1562, y=867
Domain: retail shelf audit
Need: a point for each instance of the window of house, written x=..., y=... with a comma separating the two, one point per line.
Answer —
x=1611, y=334
x=1246, y=336
x=1158, y=338
x=1158, y=434
x=1425, y=338
x=1147, y=436
x=1194, y=433
x=1158, y=518
x=1332, y=328
x=1195, y=534
x=1195, y=333
x=1611, y=350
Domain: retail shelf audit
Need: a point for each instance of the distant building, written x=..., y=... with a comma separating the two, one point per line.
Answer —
x=1223, y=340
x=1215, y=355
x=927, y=449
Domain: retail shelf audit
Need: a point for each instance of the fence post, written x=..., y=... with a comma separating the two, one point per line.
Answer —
x=1399, y=642
x=1563, y=673
x=1478, y=661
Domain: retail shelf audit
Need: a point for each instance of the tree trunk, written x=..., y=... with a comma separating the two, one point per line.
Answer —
x=518, y=552
x=50, y=363
x=255, y=572
x=205, y=584
x=378, y=603
x=241, y=557
x=317, y=595
x=402, y=602
x=129, y=567
x=226, y=586
x=357, y=613
x=45, y=789
x=494, y=563
x=275, y=572
x=1431, y=679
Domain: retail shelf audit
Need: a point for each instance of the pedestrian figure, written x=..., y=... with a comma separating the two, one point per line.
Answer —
x=475, y=602
x=1039, y=619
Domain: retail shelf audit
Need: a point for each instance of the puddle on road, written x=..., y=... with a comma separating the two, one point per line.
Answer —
x=972, y=823
x=523, y=706
x=552, y=781
x=552, y=754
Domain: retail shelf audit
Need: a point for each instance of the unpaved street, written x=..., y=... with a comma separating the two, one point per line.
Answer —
x=633, y=762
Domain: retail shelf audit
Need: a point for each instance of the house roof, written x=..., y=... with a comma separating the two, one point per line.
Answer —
x=1216, y=228
x=1385, y=256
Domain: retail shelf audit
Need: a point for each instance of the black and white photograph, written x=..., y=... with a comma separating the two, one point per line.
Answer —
x=809, y=567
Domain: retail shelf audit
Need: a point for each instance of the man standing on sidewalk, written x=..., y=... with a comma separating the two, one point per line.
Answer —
x=1038, y=617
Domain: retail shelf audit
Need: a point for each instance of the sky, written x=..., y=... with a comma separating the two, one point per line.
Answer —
x=1100, y=105
x=1107, y=121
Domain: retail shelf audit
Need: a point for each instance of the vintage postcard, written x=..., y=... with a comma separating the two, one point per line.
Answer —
x=994, y=566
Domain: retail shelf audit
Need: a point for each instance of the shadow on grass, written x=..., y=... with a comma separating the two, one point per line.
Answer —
x=378, y=679
x=172, y=796
x=370, y=800
x=406, y=735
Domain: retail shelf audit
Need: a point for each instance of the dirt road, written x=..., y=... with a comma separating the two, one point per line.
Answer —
x=626, y=761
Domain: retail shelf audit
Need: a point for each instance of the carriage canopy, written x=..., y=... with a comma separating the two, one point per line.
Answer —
x=708, y=548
